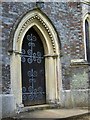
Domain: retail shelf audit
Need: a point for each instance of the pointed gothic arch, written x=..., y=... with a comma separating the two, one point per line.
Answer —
x=42, y=25
x=86, y=26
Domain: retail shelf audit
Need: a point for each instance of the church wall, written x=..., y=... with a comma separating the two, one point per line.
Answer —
x=68, y=21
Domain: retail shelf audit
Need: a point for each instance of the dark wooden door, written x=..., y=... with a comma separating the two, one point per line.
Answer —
x=33, y=69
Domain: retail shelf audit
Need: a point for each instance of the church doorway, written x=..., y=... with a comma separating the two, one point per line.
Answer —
x=35, y=61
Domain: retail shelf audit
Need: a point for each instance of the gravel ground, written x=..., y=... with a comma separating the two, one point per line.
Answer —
x=83, y=117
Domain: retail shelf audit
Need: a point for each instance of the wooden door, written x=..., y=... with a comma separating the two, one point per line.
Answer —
x=33, y=69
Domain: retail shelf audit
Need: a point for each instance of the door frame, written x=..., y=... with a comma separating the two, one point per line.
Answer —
x=49, y=37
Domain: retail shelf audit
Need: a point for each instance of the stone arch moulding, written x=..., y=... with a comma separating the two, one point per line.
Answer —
x=86, y=17
x=48, y=35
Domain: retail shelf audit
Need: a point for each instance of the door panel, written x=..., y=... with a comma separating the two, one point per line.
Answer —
x=33, y=69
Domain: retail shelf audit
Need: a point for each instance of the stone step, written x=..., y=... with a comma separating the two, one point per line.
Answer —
x=39, y=107
x=77, y=117
x=36, y=107
x=45, y=111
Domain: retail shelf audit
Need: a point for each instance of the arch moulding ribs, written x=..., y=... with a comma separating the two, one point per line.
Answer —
x=37, y=17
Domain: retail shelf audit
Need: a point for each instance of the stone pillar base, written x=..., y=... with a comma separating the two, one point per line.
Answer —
x=7, y=105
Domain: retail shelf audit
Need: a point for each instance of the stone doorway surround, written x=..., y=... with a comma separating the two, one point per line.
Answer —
x=49, y=37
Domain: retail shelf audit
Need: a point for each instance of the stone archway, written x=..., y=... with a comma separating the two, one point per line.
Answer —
x=48, y=35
